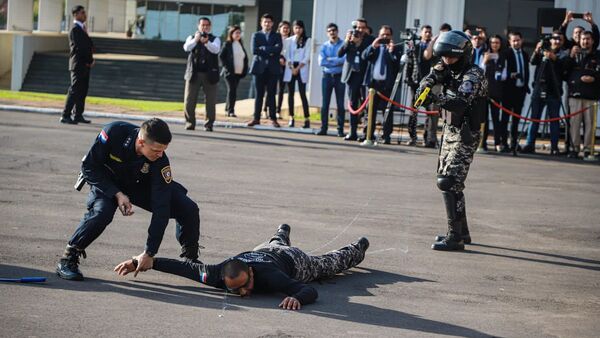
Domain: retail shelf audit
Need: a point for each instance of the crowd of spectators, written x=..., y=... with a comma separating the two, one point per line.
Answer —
x=354, y=61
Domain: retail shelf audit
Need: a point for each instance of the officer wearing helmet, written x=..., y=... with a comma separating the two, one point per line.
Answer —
x=463, y=97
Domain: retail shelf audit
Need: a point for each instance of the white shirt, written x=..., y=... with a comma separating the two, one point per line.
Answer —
x=80, y=24
x=238, y=57
x=378, y=64
x=213, y=47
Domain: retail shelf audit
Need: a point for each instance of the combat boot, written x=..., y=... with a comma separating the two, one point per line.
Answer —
x=68, y=266
x=453, y=240
x=362, y=244
x=191, y=253
x=462, y=218
x=283, y=233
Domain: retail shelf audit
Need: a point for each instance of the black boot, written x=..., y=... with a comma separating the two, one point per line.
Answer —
x=68, y=266
x=191, y=253
x=462, y=218
x=453, y=240
x=283, y=233
x=362, y=244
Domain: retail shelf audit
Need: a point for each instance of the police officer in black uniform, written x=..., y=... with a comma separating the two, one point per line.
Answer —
x=464, y=97
x=127, y=165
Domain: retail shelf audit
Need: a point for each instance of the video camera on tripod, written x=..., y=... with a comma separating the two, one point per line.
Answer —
x=410, y=34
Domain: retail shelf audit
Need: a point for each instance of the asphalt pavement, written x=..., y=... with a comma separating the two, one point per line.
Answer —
x=533, y=270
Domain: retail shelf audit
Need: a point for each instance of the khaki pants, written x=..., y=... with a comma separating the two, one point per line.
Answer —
x=192, y=87
x=586, y=116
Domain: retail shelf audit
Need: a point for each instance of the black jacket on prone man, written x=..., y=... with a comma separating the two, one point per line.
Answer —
x=464, y=99
x=274, y=266
x=127, y=165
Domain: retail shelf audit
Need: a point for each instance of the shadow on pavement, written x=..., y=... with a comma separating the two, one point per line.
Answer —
x=595, y=267
x=145, y=290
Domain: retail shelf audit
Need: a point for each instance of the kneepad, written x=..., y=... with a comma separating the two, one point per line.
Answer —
x=444, y=183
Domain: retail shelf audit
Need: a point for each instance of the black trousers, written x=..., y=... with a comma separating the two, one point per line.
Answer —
x=101, y=210
x=380, y=104
x=265, y=81
x=513, y=102
x=80, y=81
x=356, y=92
x=232, y=81
x=301, y=90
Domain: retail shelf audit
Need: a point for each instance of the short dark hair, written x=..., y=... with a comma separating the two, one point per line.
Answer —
x=588, y=33
x=76, y=9
x=233, y=267
x=580, y=27
x=363, y=20
x=267, y=16
x=332, y=25
x=445, y=27
x=155, y=130
x=204, y=18
x=425, y=27
x=515, y=33
x=387, y=27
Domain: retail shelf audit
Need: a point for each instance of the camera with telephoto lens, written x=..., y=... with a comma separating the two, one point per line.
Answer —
x=545, y=40
x=355, y=32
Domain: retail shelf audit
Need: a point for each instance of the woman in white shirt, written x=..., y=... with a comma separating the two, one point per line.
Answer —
x=235, y=65
x=297, y=70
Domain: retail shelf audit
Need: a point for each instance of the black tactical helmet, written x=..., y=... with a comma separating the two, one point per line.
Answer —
x=454, y=43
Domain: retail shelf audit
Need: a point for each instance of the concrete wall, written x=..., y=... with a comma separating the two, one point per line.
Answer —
x=20, y=15
x=342, y=12
x=97, y=16
x=24, y=45
x=6, y=40
x=50, y=15
x=436, y=12
x=116, y=16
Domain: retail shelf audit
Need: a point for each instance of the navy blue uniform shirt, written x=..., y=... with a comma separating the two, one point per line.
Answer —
x=112, y=165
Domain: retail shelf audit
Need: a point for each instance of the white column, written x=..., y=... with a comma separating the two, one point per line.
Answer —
x=98, y=16
x=287, y=10
x=50, y=15
x=69, y=4
x=342, y=12
x=20, y=15
x=116, y=16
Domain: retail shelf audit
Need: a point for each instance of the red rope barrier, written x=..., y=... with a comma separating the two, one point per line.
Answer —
x=357, y=111
x=431, y=112
x=538, y=120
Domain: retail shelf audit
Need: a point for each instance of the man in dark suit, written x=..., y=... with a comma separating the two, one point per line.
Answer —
x=266, y=48
x=515, y=88
x=81, y=60
x=353, y=72
x=382, y=66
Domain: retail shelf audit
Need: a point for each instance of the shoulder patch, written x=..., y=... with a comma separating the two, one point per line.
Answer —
x=439, y=67
x=166, y=174
x=103, y=136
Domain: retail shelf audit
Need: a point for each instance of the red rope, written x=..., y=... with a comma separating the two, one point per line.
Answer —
x=406, y=107
x=554, y=119
x=361, y=108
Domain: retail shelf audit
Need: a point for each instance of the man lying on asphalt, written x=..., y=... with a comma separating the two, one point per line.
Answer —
x=273, y=266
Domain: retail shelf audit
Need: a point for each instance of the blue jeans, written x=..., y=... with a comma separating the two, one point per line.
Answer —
x=553, y=110
x=330, y=83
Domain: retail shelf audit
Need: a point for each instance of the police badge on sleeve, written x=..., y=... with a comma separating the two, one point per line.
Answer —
x=166, y=174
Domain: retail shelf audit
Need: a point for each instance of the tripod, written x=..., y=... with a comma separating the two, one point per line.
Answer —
x=537, y=90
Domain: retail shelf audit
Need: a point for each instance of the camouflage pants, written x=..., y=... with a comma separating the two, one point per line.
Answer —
x=310, y=268
x=455, y=159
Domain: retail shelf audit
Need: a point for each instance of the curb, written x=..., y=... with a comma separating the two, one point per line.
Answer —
x=173, y=120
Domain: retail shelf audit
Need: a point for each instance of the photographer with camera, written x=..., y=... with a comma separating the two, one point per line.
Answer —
x=417, y=67
x=582, y=69
x=353, y=72
x=202, y=71
x=547, y=90
x=383, y=60
x=574, y=41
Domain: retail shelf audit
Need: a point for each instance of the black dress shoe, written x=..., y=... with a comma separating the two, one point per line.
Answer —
x=340, y=133
x=528, y=149
x=350, y=137
x=306, y=124
x=208, y=128
x=387, y=140
x=80, y=119
x=67, y=120
x=292, y=123
x=554, y=152
x=321, y=132
x=572, y=154
x=231, y=115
